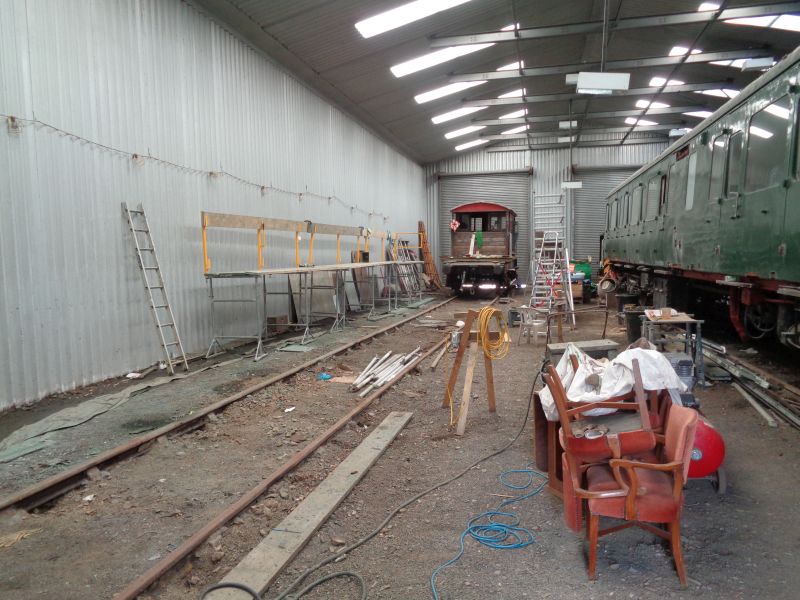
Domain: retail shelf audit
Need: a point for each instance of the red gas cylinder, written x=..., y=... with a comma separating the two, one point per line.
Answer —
x=708, y=451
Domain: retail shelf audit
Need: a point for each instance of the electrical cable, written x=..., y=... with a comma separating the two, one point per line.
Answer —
x=493, y=349
x=342, y=554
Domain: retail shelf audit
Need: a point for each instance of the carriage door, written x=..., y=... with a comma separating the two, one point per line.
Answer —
x=791, y=233
x=752, y=225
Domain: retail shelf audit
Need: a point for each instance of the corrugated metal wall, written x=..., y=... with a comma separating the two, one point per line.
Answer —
x=156, y=78
x=509, y=189
x=589, y=210
x=550, y=168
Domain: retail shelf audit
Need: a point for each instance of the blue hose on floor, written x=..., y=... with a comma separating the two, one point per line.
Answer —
x=497, y=528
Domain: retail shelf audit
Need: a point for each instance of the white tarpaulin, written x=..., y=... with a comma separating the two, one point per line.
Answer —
x=616, y=377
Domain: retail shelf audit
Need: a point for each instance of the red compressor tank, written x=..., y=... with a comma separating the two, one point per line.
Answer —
x=708, y=451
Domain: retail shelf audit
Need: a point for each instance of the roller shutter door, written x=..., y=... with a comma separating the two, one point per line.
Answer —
x=589, y=211
x=508, y=189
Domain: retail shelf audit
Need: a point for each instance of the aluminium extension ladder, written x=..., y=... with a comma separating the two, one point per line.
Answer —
x=551, y=271
x=156, y=292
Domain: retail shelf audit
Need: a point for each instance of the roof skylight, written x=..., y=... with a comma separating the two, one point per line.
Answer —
x=519, y=129
x=648, y=104
x=515, y=115
x=681, y=50
x=787, y=22
x=434, y=58
x=707, y=6
x=659, y=81
x=513, y=94
x=463, y=131
x=446, y=90
x=736, y=64
x=725, y=93
x=403, y=15
x=700, y=114
x=471, y=144
x=455, y=114
x=635, y=121
x=512, y=66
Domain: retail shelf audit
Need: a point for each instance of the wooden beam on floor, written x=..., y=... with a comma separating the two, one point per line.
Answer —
x=263, y=564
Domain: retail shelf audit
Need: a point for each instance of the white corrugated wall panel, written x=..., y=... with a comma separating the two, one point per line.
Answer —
x=156, y=78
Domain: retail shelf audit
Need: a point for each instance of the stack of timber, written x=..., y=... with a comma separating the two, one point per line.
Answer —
x=429, y=267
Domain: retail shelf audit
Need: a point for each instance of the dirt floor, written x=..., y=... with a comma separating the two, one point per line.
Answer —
x=95, y=539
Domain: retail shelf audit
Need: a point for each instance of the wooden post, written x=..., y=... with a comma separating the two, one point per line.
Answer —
x=451, y=384
x=487, y=363
x=467, y=393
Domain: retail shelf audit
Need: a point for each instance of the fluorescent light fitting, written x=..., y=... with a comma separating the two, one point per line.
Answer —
x=403, y=15
x=471, y=144
x=659, y=81
x=519, y=129
x=648, y=104
x=787, y=22
x=679, y=132
x=434, y=58
x=567, y=124
x=762, y=133
x=757, y=64
x=634, y=121
x=707, y=6
x=753, y=21
x=512, y=66
x=515, y=115
x=720, y=93
x=454, y=114
x=446, y=90
x=463, y=131
x=510, y=27
x=700, y=114
x=513, y=94
x=566, y=139
x=681, y=50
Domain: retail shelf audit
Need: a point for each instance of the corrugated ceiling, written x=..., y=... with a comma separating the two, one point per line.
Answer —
x=317, y=41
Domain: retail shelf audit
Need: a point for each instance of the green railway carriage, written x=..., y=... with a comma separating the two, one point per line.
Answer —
x=719, y=212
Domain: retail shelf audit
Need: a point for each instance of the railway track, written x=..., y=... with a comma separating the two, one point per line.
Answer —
x=52, y=487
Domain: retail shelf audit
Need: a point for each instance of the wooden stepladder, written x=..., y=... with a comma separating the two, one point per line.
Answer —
x=469, y=338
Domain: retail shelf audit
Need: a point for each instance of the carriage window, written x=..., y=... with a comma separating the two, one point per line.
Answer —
x=677, y=180
x=653, y=198
x=626, y=214
x=636, y=209
x=719, y=153
x=476, y=223
x=614, y=214
x=766, y=146
x=691, y=180
x=734, y=162
x=497, y=222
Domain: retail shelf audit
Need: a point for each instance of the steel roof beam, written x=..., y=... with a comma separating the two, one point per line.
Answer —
x=586, y=144
x=670, y=89
x=634, y=63
x=670, y=110
x=587, y=131
x=686, y=18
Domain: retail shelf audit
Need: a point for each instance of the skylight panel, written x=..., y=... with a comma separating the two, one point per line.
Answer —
x=446, y=90
x=716, y=93
x=515, y=115
x=648, y=104
x=762, y=133
x=471, y=144
x=707, y=6
x=753, y=21
x=787, y=22
x=512, y=66
x=513, y=94
x=455, y=114
x=435, y=58
x=681, y=50
x=463, y=131
x=519, y=129
x=403, y=15
x=510, y=27
x=700, y=114
x=731, y=93
x=659, y=81
x=634, y=121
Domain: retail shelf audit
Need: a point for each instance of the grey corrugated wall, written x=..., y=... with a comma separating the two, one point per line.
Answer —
x=156, y=78
x=550, y=168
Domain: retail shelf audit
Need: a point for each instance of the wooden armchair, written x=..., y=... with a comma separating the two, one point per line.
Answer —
x=641, y=493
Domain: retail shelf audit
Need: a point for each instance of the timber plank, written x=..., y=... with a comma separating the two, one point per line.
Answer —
x=260, y=567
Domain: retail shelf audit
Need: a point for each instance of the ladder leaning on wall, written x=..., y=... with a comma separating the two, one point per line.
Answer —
x=551, y=273
x=156, y=291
